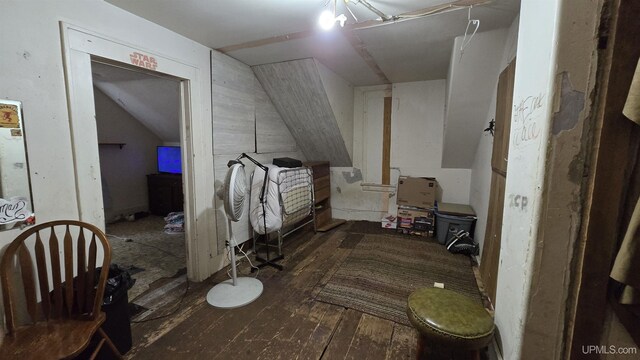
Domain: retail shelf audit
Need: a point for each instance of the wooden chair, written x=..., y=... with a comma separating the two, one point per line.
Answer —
x=62, y=324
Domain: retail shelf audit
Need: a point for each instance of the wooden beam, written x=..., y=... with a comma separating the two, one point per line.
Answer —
x=266, y=41
x=386, y=142
x=361, y=49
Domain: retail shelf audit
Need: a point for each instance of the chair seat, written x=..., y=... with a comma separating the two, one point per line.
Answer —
x=447, y=318
x=55, y=339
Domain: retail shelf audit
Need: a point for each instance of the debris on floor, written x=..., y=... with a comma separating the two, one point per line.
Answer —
x=175, y=223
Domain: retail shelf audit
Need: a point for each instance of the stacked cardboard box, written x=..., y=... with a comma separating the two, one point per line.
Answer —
x=416, y=203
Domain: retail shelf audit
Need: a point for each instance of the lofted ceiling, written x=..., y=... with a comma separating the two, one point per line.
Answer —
x=410, y=50
x=152, y=100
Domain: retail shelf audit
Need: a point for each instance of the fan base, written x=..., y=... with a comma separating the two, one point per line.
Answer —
x=227, y=296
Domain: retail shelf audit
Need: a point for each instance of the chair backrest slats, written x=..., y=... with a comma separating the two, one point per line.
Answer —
x=77, y=297
x=43, y=277
x=91, y=274
x=82, y=271
x=26, y=269
x=54, y=251
x=68, y=270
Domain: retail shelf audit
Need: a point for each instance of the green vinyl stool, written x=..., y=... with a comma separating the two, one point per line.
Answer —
x=450, y=324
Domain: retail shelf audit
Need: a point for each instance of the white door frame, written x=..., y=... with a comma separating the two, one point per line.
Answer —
x=196, y=137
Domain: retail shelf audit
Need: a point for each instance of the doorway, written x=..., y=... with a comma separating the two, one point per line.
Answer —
x=80, y=47
x=138, y=128
x=500, y=154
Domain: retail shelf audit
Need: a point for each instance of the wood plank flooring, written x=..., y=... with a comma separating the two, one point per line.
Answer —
x=284, y=323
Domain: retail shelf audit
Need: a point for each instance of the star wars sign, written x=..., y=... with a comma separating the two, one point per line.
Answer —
x=142, y=60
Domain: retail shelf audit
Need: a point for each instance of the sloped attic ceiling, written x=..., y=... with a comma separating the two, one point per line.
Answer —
x=152, y=100
x=268, y=31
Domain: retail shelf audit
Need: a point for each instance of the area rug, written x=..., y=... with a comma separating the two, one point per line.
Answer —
x=382, y=270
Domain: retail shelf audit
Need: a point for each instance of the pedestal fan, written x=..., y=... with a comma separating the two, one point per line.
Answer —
x=237, y=291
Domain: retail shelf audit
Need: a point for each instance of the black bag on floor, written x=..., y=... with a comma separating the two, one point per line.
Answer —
x=461, y=243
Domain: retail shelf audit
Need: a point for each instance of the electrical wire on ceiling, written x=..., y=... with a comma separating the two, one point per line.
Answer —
x=384, y=19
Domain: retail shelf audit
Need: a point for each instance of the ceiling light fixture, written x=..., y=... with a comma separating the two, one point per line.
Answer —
x=328, y=18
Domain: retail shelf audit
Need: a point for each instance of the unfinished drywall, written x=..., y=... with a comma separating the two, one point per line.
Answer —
x=297, y=91
x=471, y=82
x=123, y=169
x=481, y=169
x=417, y=117
x=243, y=111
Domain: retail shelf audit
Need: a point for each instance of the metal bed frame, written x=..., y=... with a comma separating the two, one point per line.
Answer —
x=297, y=206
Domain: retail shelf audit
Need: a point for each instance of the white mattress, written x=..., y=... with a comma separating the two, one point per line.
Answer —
x=296, y=198
x=273, y=217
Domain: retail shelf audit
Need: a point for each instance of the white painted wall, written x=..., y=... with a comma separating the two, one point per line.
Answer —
x=368, y=113
x=526, y=169
x=481, y=169
x=471, y=82
x=417, y=117
x=33, y=72
x=153, y=100
x=124, y=170
x=340, y=95
x=243, y=113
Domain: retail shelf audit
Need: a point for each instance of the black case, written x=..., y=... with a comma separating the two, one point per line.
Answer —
x=287, y=162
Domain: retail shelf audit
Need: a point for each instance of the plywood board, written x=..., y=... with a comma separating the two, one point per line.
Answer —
x=232, y=86
x=296, y=90
x=272, y=134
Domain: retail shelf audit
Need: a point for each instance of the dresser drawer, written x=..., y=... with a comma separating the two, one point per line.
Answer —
x=322, y=182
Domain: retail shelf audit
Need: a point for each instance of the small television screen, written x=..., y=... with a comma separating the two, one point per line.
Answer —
x=169, y=160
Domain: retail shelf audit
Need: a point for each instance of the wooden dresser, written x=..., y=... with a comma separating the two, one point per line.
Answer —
x=165, y=193
x=322, y=195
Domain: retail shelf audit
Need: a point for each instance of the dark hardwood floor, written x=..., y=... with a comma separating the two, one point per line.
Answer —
x=283, y=323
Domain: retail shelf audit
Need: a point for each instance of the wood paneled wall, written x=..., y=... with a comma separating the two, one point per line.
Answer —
x=244, y=120
x=232, y=88
x=296, y=89
x=272, y=134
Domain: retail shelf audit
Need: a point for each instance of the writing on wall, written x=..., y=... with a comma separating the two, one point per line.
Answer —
x=142, y=60
x=518, y=202
x=14, y=209
x=524, y=118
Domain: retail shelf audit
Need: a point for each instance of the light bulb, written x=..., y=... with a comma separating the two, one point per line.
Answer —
x=342, y=19
x=326, y=20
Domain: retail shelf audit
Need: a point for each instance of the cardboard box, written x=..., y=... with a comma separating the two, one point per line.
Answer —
x=417, y=191
x=415, y=212
x=389, y=222
x=416, y=232
x=413, y=218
